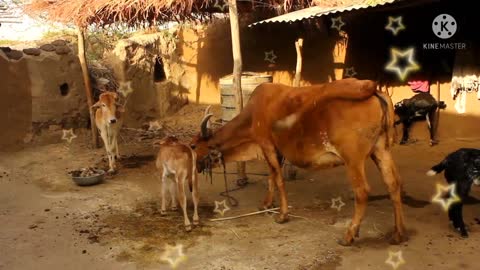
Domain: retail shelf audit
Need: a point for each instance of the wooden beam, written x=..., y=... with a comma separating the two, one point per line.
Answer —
x=88, y=86
x=237, y=68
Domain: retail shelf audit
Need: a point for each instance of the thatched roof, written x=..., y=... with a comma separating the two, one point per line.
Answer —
x=134, y=12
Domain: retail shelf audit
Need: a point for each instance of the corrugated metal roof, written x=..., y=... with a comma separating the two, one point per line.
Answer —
x=318, y=11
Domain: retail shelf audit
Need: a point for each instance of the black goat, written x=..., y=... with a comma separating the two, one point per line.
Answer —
x=419, y=107
x=462, y=168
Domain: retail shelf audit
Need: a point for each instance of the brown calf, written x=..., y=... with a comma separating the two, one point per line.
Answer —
x=178, y=162
x=321, y=126
x=108, y=118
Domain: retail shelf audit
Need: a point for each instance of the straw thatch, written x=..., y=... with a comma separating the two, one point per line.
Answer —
x=134, y=12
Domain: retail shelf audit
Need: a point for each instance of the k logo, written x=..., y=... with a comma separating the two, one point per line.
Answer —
x=444, y=26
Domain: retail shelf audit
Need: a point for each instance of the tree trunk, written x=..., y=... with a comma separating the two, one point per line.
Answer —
x=86, y=81
x=237, y=69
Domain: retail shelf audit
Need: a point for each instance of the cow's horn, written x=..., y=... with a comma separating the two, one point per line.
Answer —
x=207, y=110
x=203, y=125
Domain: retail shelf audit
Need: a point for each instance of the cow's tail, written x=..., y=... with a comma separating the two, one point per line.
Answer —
x=388, y=118
x=437, y=168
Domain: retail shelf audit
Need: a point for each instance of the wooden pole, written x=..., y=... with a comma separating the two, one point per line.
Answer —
x=437, y=119
x=298, y=69
x=237, y=69
x=86, y=80
x=289, y=171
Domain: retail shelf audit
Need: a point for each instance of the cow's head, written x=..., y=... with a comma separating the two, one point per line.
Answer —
x=108, y=103
x=208, y=156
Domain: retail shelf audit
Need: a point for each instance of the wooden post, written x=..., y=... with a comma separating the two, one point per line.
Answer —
x=237, y=69
x=86, y=80
x=298, y=69
x=289, y=172
x=437, y=119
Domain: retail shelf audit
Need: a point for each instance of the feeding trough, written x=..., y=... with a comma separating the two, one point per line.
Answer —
x=87, y=176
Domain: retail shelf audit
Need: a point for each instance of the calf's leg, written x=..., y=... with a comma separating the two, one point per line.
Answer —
x=163, y=210
x=182, y=198
x=173, y=191
x=196, y=199
x=356, y=173
x=384, y=161
x=108, y=149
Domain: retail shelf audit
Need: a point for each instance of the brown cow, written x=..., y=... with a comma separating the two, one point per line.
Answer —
x=108, y=119
x=339, y=123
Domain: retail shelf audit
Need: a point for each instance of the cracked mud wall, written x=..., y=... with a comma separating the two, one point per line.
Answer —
x=40, y=87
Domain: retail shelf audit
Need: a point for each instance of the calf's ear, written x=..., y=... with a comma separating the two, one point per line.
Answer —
x=120, y=109
x=96, y=105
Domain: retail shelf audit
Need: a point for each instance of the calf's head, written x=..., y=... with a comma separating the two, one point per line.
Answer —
x=207, y=156
x=108, y=103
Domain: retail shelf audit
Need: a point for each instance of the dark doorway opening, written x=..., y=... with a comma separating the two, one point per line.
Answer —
x=158, y=71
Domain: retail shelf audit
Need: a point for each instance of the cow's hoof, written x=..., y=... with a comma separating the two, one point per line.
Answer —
x=163, y=212
x=403, y=142
x=344, y=242
x=188, y=228
x=174, y=208
x=398, y=238
x=196, y=222
x=433, y=142
x=282, y=218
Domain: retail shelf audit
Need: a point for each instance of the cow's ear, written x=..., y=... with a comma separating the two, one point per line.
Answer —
x=120, y=109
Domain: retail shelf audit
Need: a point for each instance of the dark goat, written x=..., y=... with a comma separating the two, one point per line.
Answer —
x=462, y=168
x=420, y=106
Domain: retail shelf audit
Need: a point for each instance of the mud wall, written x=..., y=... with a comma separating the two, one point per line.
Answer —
x=40, y=87
x=15, y=103
x=139, y=60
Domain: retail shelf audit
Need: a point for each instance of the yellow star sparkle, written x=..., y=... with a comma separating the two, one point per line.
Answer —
x=399, y=26
x=270, y=56
x=337, y=203
x=394, y=67
x=224, y=209
x=440, y=196
x=125, y=88
x=173, y=255
x=337, y=23
x=350, y=72
x=68, y=135
x=395, y=259
x=222, y=6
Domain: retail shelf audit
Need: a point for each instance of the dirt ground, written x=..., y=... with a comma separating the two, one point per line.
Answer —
x=47, y=222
